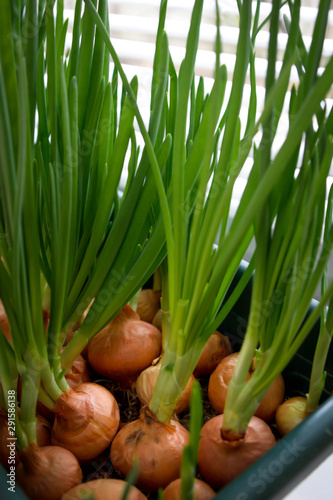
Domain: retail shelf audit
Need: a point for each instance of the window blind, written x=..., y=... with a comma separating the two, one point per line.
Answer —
x=133, y=26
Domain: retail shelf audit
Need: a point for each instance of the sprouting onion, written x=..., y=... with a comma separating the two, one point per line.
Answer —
x=199, y=274
x=61, y=220
x=289, y=264
x=295, y=409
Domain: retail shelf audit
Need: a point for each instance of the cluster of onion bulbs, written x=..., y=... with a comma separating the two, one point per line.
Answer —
x=85, y=421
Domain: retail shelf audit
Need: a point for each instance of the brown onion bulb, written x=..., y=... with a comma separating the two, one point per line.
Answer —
x=86, y=421
x=102, y=489
x=47, y=472
x=125, y=347
x=220, y=461
x=290, y=414
x=79, y=373
x=158, y=447
x=219, y=383
x=43, y=431
x=217, y=347
x=202, y=490
x=146, y=382
x=148, y=304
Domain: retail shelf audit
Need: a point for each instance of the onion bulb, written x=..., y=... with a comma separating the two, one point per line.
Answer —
x=158, y=447
x=146, y=382
x=220, y=461
x=102, y=489
x=148, y=304
x=290, y=413
x=43, y=431
x=86, y=421
x=125, y=347
x=219, y=383
x=47, y=472
x=217, y=347
x=201, y=491
x=78, y=373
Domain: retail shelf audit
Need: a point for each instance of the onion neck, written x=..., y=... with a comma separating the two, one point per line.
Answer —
x=174, y=374
x=237, y=411
x=74, y=410
x=31, y=458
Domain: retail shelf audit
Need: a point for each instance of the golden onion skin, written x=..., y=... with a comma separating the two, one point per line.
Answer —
x=148, y=304
x=217, y=347
x=202, y=490
x=79, y=373
x=220, y=461
x=103, y=489
x=290, y=414
x=113, y=352
x=219, y=383
x=146, y=382
x=47, y=472
x=158, y=447
x=86, y=421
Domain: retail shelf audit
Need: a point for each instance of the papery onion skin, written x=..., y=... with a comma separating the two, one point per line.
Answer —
x=146, y=382
x=217, y=347
x=86, y=421
x=202, y=491
x=290, y=414
x=47, y=472
x=104, y=489
x=79, y=373
x=148, y=304
x=219, y=382
x=220, y=461
x=125, y=347
x=43, y=431
x=158, y=447
x=218, y=388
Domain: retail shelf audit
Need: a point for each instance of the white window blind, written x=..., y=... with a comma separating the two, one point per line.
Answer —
x=133, y=26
